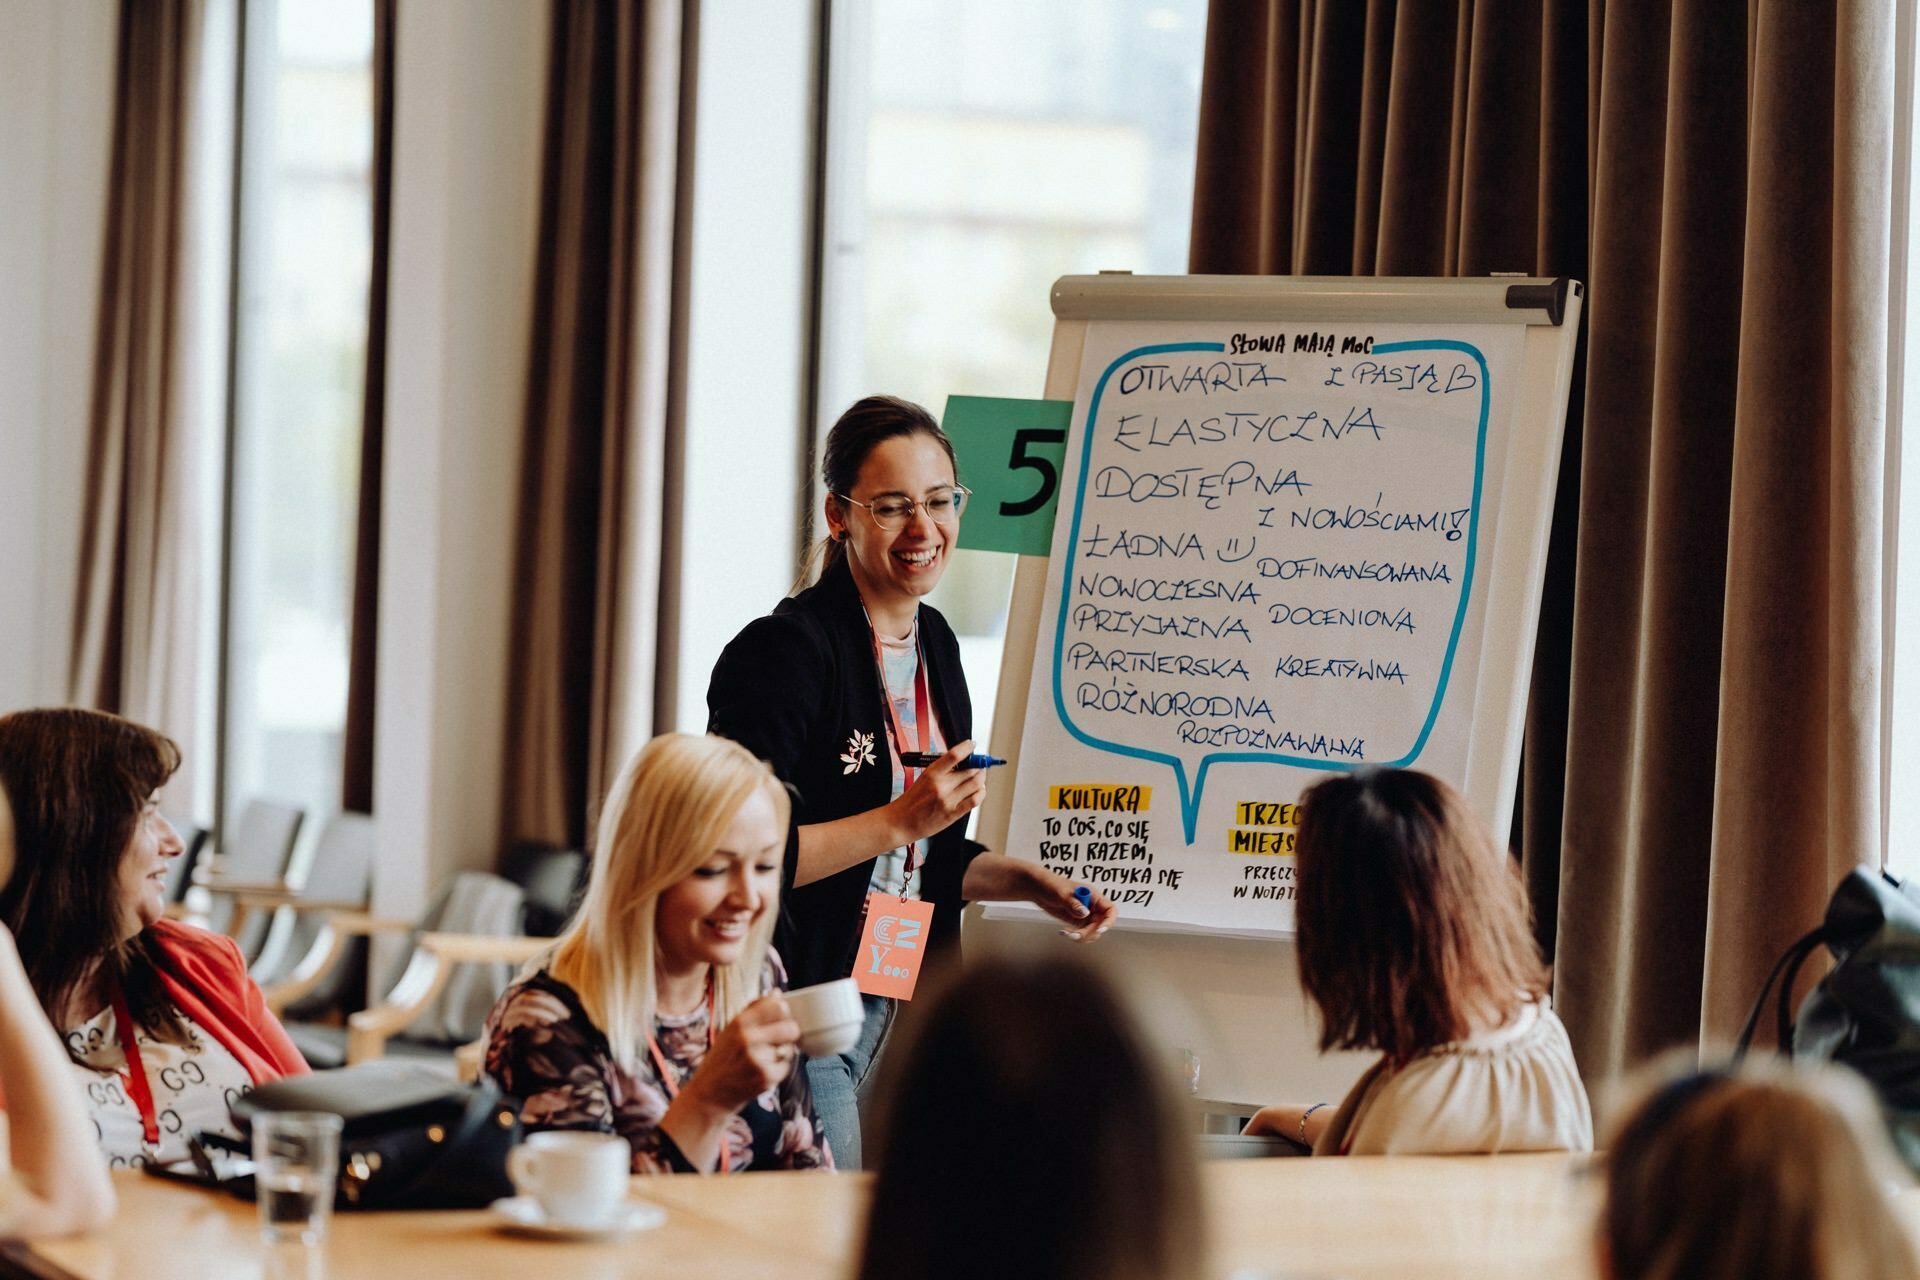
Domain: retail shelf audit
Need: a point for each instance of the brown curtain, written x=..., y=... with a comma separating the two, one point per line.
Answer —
x=1703, y=737
x=134, y=608
x=356, y=776
x=601, y=411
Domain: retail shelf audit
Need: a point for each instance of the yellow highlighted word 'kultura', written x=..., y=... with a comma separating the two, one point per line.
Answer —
x=1102, y=797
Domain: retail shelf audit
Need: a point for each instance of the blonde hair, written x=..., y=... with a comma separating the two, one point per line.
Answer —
x=663, y=819
x=1766, y=1170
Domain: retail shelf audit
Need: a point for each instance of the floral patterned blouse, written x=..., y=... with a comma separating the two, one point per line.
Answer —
x=543, y=1049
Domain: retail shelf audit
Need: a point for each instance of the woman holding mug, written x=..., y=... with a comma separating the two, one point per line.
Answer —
x=657, y=1016
x=853, y=690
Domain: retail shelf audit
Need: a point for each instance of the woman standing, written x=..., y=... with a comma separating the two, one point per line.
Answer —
x=841, y=688
x=658, y=1015
x=163, y=1024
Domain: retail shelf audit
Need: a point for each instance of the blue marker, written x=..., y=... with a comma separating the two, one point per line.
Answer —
x=921, y=759
x=1083, y=896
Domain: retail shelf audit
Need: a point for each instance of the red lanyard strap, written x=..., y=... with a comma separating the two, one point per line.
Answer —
x=922, y=720
x=136, y=1073
x=673, y=1086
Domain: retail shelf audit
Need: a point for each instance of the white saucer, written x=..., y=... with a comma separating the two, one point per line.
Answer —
x=523, y=1215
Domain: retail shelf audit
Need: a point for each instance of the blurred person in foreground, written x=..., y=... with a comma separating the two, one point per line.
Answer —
x=58, y=1181
x=1766, y=1171
x=1022, y=1081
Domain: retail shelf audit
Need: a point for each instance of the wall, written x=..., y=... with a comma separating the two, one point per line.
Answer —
x=748, y=317
x=469, y=109
x=56, y=96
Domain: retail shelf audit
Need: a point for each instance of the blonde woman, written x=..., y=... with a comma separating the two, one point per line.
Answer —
x=1765, y=1172
x=658, y=1014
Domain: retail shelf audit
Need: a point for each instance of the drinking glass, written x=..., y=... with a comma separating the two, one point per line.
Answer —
x=296, y=1158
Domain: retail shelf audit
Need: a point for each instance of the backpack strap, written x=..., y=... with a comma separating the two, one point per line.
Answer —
x=1788, y=964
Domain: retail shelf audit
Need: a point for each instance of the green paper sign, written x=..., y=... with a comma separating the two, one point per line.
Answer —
x=1010, y=454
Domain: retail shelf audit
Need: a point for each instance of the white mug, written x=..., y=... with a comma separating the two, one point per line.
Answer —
x=830, y=1016
x=578, y=1178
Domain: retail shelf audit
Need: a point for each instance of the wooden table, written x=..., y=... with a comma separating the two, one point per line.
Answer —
x=1356, y=1219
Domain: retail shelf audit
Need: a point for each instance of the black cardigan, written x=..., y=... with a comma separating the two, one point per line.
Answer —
x=793, y=687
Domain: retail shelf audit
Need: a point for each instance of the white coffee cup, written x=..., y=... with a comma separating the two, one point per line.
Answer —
x=830, y=1016
x=578, y=1178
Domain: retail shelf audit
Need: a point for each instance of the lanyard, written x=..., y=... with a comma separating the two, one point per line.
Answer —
x=922, y=720
x=135, y=1076
x=673, y=1086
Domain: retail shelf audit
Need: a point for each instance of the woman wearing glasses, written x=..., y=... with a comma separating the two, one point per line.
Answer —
x=842, y=689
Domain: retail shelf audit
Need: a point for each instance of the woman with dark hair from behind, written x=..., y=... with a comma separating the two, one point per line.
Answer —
x=59, y=1181
x=1021, y=1081
x=1415, y=942
x=1765, y=1172
x=162, y=1023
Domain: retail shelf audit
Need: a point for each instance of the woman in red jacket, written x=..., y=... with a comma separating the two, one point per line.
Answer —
x=163, y=1024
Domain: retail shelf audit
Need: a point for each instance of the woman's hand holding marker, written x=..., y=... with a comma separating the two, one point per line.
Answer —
x=978, y=760
x=946, y=791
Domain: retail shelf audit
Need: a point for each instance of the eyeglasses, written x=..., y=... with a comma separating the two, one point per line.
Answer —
x=893, y=512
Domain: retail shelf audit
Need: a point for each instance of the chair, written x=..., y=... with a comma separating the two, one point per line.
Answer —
x=254, y=857
x=464, y=953
x=552, y=878
x=338, y=878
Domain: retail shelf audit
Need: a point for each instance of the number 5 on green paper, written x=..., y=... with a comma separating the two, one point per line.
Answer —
x=1010, y=453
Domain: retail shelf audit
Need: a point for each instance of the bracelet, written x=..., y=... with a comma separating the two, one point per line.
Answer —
x=1303, y=1121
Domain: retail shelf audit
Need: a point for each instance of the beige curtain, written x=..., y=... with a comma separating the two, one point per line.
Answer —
x=135, y=606
x=602, y=411
x=1703, y=738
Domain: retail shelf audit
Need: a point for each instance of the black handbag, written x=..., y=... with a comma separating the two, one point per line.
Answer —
x=410, y=1137
x=1865, y=1013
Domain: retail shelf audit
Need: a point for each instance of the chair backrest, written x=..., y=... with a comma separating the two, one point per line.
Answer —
x=180, y=870
x=261, y=843
x=553, y=880
x=341, y=871
x=480, y=903
x=342, y=866
x=260, y=847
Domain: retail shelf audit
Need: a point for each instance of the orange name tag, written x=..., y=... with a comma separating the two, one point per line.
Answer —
x=893, y=945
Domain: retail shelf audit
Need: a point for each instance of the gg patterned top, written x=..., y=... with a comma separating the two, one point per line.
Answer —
x=543, y=1049
x=193, y=1086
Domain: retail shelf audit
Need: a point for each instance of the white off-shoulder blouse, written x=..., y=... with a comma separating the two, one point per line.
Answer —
x=1514, y=1089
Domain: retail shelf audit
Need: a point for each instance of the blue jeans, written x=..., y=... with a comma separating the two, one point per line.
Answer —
x=843, y=1084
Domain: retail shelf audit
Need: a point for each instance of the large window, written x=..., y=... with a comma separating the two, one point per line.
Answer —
x=300, y=350
x=976, y=152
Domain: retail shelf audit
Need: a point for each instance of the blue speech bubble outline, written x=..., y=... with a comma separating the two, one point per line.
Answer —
x=1190, y=793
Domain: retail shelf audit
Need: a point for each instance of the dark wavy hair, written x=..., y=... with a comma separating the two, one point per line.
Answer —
x=865, y=426
x=78, y=782
x=1413, y=928
x=1020, y=1081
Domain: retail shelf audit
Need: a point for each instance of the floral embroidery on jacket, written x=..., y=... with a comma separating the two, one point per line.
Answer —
x=859, y=752
x=543, y=1049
